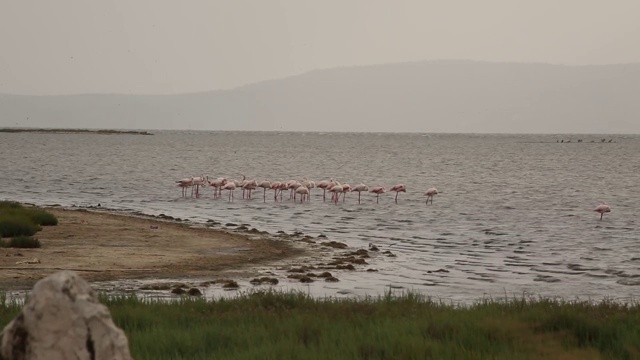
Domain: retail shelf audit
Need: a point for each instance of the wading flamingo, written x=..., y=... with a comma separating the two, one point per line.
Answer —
x=266, y=184
x=249, y=187
x=336, y=190
x=325, y=185
x=217, y=185
x=275, y=186
x=231, y=186
x=430, y=193
x=345, y=189
x=304, y=193
x=602, y=208
x=309, y=185
x=378, y=190
x=197, y=182
x=398, y=188
x=293, y=185
x=360, y=188
x=184, y=184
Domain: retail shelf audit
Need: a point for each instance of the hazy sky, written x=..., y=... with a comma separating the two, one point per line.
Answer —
x=162, y=46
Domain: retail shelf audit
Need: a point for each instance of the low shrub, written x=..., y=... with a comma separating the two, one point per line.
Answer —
x=13, y=225
x=24, y=242
x=10, y=205
x=42, y=217
x=18, y=220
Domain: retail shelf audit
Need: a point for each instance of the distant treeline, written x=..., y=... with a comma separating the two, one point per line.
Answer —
x=75, y=131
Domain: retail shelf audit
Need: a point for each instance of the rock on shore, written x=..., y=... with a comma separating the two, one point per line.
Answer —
x=63, y=319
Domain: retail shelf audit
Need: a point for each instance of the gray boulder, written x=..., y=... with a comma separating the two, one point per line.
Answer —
x=63, y=319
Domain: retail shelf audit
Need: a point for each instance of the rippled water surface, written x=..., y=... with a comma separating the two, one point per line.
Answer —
x=513, y=215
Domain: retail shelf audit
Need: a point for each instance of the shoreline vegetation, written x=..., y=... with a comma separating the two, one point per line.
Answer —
x=73, y=131
x=18, y=224
x=279, y=325
x=270, y=324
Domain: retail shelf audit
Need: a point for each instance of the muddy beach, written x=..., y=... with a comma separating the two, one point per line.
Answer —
x=104, y=246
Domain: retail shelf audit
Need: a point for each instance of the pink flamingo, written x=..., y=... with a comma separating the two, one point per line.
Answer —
x=199, y=181
x=283, y=186
x=336, y=190
x=266, y=184
x=217, y=185
x=430, y=193
x=345, y=189
x=360, y=188
x=275, y=186
x=304, y=193
x=398, y=188
x=184, y=184
x=378, y=190
x=250, y=186
x=309, y=185
x=325, y=185
x=602, y=208
x=231, y=186
x=293, y=185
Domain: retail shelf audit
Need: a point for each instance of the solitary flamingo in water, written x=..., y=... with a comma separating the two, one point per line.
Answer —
x=602, y=208
x=398, y=189
x=378, y=190
x=231, y=186
x=430, y=193
x=360, y=188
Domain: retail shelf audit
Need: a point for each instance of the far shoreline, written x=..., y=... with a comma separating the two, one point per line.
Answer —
x=73, y=131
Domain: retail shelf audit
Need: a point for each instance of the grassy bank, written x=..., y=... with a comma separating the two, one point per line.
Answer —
x=270, y=325
x=20, y=223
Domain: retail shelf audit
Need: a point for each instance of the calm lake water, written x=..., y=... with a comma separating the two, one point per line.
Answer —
x=513, y=215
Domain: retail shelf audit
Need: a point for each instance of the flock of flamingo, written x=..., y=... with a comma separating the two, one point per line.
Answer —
x=295, y=187
x=303, y=189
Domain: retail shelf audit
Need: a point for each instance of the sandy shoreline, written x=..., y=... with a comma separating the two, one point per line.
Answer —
x=103, y=246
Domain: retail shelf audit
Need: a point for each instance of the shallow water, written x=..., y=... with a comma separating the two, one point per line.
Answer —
x=513, y=215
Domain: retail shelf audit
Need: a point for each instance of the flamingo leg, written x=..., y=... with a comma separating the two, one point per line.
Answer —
x=397, y=196
x=601, y=215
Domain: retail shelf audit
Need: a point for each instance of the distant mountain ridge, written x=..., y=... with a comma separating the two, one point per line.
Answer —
x=428, y=96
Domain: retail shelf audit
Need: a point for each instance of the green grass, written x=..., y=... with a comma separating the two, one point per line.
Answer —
x=271, y=325
x=17, y=225
x=22, y=242
x=18, y=220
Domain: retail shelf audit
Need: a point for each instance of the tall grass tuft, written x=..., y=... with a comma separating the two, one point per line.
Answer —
x=41, y=217
x=24, y=242
x=18, y=220
x=17, y=225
